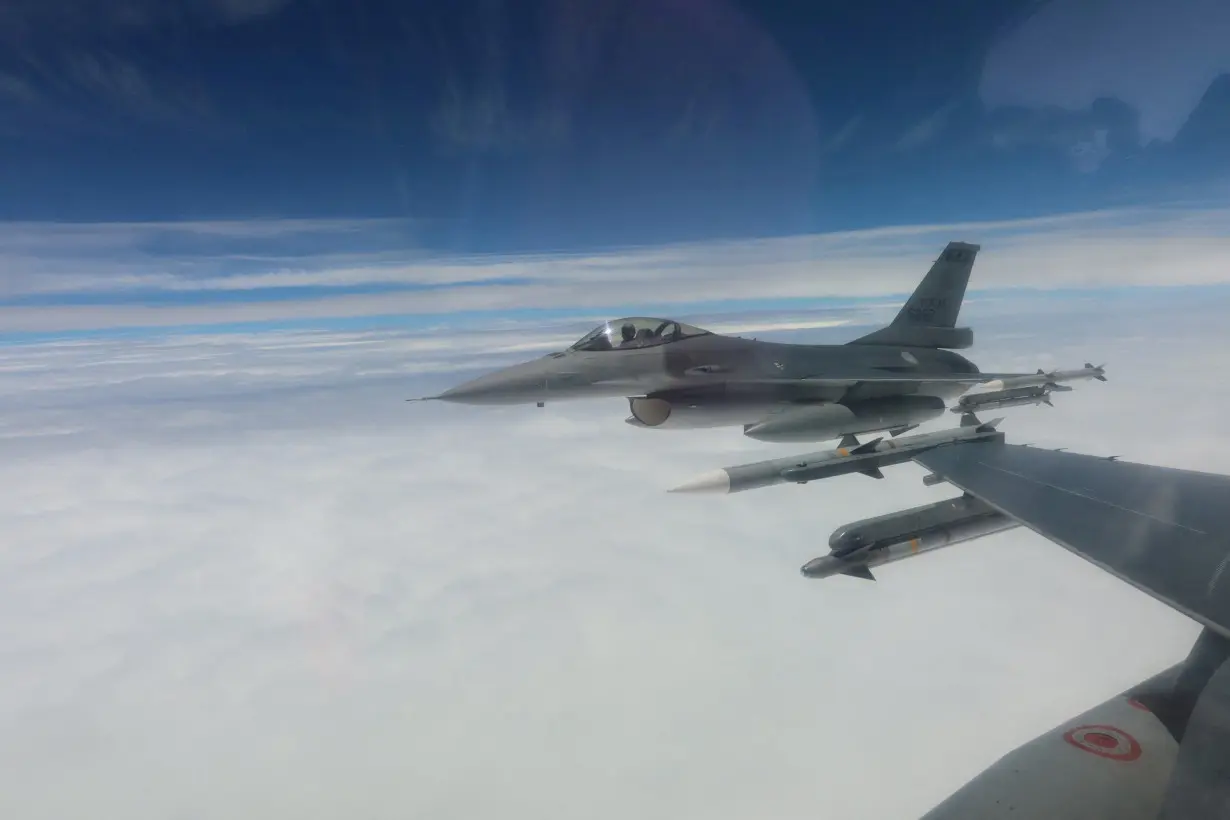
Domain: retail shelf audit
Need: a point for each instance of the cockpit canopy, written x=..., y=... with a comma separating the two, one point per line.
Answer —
x=635, y=332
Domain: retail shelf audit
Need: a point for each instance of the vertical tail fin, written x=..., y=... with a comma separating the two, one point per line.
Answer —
x=929, y=316
x=936, y=301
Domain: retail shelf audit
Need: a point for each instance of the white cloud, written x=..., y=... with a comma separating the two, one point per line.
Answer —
x=1099, y=249
x=243, y=574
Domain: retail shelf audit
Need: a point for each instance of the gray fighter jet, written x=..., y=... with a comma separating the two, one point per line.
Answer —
x=675, y=375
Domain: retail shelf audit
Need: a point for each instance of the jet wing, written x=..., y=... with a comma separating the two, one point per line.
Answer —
x=1160, y=529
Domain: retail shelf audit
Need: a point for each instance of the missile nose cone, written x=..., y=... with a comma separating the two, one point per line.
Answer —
x=821, y=567
x=717, y=482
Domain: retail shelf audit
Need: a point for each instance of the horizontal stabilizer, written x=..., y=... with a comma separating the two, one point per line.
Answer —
x=860, y=571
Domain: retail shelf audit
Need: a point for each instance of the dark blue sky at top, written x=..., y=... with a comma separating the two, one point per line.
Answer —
x=570, y=124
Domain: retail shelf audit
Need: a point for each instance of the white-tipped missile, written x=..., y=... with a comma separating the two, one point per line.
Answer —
x=861, y=545
x=1055, y=377
x=849, y=457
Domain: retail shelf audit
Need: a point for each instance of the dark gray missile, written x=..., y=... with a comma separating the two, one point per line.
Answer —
x=849, y=457
x=999, y=399
x=859, y=546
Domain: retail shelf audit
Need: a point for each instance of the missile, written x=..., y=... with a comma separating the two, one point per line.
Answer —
x=859, y=546
x=849, y=457
x=999, y=399
x=1054, y=378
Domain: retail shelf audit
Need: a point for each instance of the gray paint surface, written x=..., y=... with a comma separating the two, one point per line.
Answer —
x=1162, y=530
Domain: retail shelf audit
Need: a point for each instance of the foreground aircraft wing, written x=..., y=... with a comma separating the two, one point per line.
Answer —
x=1160, y=529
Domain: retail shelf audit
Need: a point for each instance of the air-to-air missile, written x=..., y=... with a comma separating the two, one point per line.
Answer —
x=1055, y=377
x=861, y=545
x=1026, y=390
x=999, y=399
x=1021, y=390
x=849, y=457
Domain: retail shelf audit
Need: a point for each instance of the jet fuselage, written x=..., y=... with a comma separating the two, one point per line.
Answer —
x=747, y=371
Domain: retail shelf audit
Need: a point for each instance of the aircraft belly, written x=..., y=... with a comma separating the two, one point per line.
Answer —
x=1113, y=761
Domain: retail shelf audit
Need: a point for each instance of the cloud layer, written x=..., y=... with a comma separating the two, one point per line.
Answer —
x=244, y=578
x=72, y=278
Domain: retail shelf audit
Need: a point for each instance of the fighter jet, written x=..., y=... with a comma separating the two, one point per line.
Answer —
x=675, y=375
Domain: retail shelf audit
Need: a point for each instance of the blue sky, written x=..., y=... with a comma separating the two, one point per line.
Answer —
x=159, y=153
x=545, y=124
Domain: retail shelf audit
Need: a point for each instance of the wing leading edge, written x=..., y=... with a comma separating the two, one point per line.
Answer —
x=1165, y=531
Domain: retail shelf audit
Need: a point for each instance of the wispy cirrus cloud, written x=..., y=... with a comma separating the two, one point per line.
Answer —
x=78, y=277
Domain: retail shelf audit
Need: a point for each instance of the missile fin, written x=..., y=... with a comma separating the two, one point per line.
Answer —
x=848, y=441
x=860, y=571
x=869, y=447
x=874, y=472
x=990, y=425
x=970, y=420
x=897, y=431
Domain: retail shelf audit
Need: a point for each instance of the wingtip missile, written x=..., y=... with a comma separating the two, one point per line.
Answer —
x=715, y=482
x=868, y=459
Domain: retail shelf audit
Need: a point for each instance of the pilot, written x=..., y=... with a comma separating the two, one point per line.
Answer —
x=628, y=332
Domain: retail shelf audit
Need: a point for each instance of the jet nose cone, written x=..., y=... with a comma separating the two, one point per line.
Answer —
x=516, y=385
x=475, y=391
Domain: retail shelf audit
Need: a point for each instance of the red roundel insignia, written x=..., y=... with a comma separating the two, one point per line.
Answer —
x=1104, y=741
